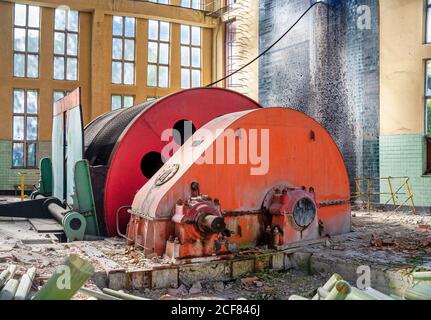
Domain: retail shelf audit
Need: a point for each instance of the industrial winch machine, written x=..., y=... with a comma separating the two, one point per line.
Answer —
x=198, y=173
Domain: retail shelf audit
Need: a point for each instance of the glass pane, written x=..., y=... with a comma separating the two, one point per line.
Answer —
x=117, y=48
x=129, y=50
x=128, y=101
x=19, y=65
x=72, y=69
x=116, y=102
x=130, y=27
x=32, y=128
x=196, y=57
x=164, y=53
x=117, y=73
x=152, y=52
x=58, y=95
x=164, y=31
x=59, y=43
x=33, y=16
x=164, y=1
x=185, y=3
x=428, y=79
x=18, y=101
x=32, y=101
x=59, y=68
x=163, y=77
x=33, y=41
x=73, y=20
x=196, y=78
x=196, y=4
x=153, y=30
x=428, y=31
x=117, y=26
x=32, y=65
x=129, y=73
x=18, y=127
x=20, y=14
x=428, y=116
x=185, y=56
x=18, y=155
x=152, y=76
x=60, y=19
x=31, y=155
x=196, y=36
x=185, y=78
x=19, y=39
x=72, y=44
x=185, y=34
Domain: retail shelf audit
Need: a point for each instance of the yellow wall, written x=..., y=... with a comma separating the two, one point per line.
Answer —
x=95, y=45
x=402, y=66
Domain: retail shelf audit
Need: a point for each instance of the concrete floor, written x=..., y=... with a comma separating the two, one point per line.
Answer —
x=392, y=244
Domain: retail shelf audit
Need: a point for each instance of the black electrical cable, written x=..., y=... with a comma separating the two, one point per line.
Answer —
x=271, y=46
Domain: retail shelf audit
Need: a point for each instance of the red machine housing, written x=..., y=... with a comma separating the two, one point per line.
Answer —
x=304, y=193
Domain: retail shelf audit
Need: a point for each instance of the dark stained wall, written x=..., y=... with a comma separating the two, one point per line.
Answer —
x=327, y=67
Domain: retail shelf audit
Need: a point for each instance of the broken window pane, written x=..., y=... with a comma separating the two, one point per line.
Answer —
x=33, y=41
x=117, y=73
x=32, y=101
x=196, y=36
x=164, y=53
x=72, y=44
x=153, y=30
x=185, y=78
x=128, y=101
x=19, y=65
x=20, y=14
x=19, y=39
x=117, y=26
x=129, y=27
x=72, y=69
x=185, y=34
x=115, y=102
x=59, y=43
x=163, y=77
x=164, y=31
x=18, y=101
x=152, y=76
x=129, y=50
x=18, y=127
x=18, y=155
x=60, y=19
x=129, y=73
x=32, y=65
x=31, y=155
x=196, y=78
x=31, y=128
x=33, y=16
x=59, y=68
x=152, y=52
x=73, y=21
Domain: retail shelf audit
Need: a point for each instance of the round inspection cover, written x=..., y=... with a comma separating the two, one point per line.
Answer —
x=304, y=212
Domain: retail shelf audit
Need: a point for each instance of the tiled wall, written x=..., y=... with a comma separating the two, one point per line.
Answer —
x=10, y=177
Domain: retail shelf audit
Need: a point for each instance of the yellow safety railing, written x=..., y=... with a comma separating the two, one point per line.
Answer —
x=364, y=191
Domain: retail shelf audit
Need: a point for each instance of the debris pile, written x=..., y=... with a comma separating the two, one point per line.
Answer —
x=338, y=289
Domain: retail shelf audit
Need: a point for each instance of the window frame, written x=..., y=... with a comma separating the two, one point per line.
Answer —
x=25, y=142
x=158, y=64
x=26, y=53
x=190, y=47
x=65, y=55
x=229, y=46
x=123, y=61
x=190, y=5
x=427, y=14
x=122, y=100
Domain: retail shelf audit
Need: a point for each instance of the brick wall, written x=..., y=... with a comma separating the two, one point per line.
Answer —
x=404, y=155
x=328, y=68
x=10, y=177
